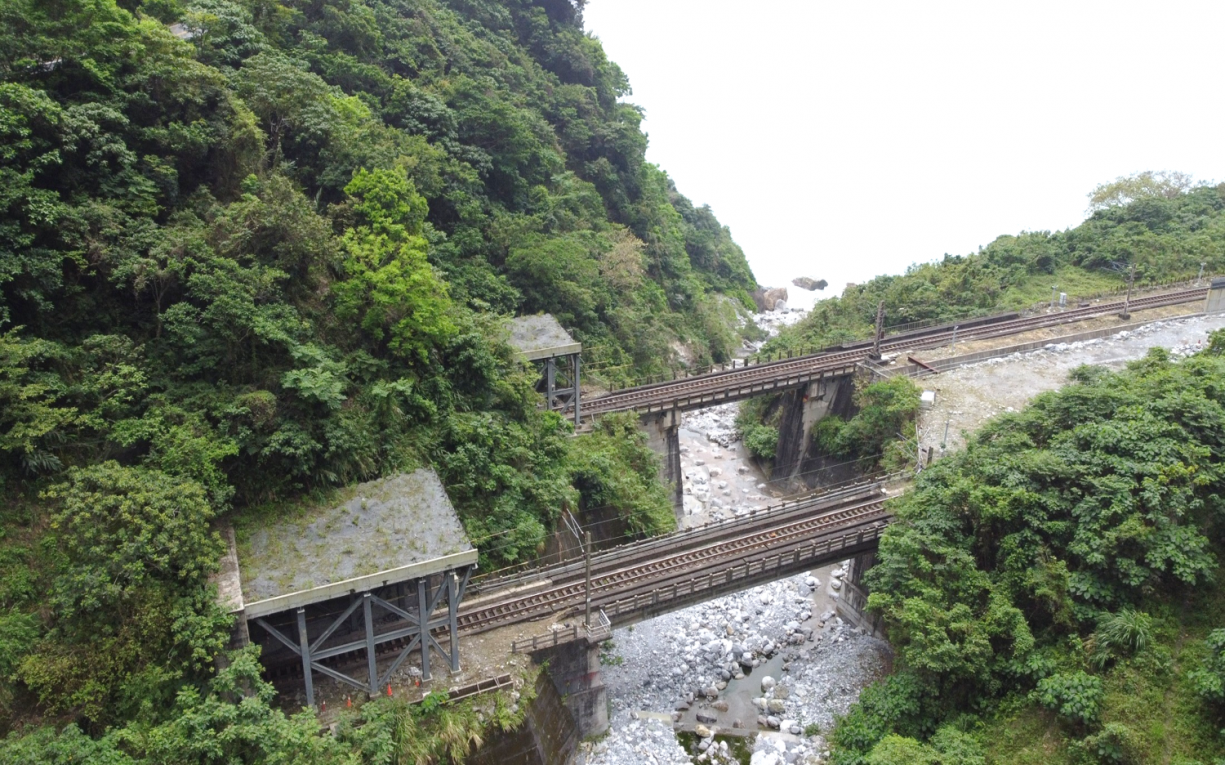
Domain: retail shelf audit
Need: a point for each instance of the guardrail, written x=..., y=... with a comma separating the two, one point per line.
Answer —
x=701, y=400
x=681, y=593
x=746, y=572
x=597, y=632
x=487, y=584
x=934, y=366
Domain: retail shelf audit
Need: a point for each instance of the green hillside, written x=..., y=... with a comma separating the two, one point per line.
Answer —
x=1155, y=227
x=251, y=251
x=1165, y=230
x=1054, y=591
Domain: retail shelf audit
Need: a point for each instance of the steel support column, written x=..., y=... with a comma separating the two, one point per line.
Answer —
x=453, y=617
x=371, y=659
x=415, y=629
x=305, y=647
x=577, y=388
x=550, y=383
x=423, y=613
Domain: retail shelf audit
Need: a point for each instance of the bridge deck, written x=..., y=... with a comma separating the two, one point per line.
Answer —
x=742, y=382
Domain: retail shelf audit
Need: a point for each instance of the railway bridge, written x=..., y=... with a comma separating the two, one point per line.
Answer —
x=638, y=581
x=378, y=604
x=815, y=383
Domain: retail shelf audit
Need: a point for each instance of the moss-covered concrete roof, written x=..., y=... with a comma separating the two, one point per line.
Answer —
x=541, y=337
x=398, y=528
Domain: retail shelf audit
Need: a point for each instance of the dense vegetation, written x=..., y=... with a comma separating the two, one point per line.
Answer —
x=880, y=435
x=1155, y=227
x=1166, y=231
x=252, y=250
x=1053, y=592
x=233, y=720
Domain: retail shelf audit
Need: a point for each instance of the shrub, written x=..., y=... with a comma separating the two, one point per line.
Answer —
x=1209, y=680
x=898, y=750
x=1126, y=633
x=761, y=440
x=1076, y=696
x=1113, y=743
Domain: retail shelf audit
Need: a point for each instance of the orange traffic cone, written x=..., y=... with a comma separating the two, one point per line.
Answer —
x=389, y=690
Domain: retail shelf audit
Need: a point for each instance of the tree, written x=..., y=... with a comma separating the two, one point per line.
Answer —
x=389, y=285
x=1146, y=185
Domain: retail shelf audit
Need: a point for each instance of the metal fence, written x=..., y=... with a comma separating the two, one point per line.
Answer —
x=747, y=572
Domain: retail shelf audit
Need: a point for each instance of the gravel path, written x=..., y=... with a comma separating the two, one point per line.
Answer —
x=968, y=396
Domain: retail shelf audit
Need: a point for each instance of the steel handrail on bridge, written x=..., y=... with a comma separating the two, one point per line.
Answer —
x=683, y=537
x=739, y=575
x=593, y=633
x=749, y=571
x=653, y=570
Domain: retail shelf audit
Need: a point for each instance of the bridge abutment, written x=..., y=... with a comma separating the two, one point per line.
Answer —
x=663, y=436
x=852, y=606
x=802, y=409
x=574, y=668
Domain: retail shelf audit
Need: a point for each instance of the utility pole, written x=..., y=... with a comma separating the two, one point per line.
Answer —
x=587, y=566
x=880, y=329
x=1131, y=279
x=1054, y=289
x=1200, y=278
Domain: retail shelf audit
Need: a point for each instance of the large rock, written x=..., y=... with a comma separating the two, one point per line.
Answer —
x=810, y=284
x=706, y=717
x=767, y=298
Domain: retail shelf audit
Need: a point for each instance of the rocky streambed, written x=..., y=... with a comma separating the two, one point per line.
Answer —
x=757, y=677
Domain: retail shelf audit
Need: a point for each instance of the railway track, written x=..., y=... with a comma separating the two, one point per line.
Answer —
x=758, y=374
x=657, y=571
x=615, y=557
x=627, y=575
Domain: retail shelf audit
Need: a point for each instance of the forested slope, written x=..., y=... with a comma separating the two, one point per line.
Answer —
x=1054, y=591
x=1164, y=230
x=251, y=250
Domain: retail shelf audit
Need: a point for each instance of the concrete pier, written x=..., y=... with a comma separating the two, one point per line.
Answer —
x=574, y=668
x=801, y=410
x=663, y=436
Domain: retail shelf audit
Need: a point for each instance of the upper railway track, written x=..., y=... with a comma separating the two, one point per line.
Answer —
x=741, y=382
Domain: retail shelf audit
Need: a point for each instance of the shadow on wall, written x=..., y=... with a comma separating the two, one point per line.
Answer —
x=797, y=465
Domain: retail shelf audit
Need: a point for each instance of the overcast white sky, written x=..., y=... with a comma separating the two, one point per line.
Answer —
x=842, y=140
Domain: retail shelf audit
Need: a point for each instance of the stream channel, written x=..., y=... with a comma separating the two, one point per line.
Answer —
x=767, y=669
x=775, y=654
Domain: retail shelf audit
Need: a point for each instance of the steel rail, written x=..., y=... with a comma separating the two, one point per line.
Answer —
x=661, y=569
x=738, y=525
x=729, y=381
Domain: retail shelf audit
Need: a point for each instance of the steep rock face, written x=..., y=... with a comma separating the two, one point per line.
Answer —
x=767, y=298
